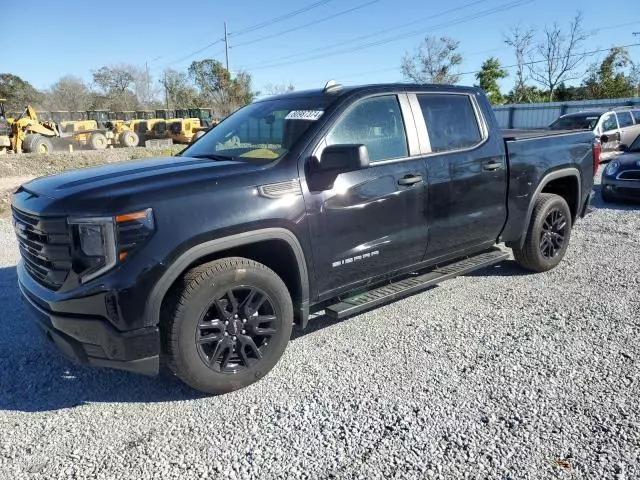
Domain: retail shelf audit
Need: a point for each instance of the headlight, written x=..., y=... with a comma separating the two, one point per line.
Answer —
x=612, y=168
x=101, y=243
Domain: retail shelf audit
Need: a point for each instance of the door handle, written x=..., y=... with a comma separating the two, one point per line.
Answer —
x=410, y=180
x=492, y=165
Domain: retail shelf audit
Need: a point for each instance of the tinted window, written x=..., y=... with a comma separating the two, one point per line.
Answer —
x=375, y=122
x=609, y=122
x=451, y=121
x=575, y=122
x=636, y=115
x=625, y=119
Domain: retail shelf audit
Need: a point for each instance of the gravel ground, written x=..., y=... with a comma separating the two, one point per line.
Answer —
x=498, y=374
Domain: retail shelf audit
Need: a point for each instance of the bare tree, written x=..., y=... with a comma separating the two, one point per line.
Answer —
x=181, y=93
x=560, y=55
x=435, y=61
x=520, y=39
x=69, y=93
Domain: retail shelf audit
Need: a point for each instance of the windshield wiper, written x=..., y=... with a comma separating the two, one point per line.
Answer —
x=213, y=156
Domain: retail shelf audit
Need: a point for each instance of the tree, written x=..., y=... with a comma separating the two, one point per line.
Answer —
x=69, y=93
x=180, y=91
x=117, y=85
x=218, y=88
x=560, y=55
x=17, y=92
x=488, y=76
x=531, y=93
x=520, y=40
x=277, y=89
x=608, y=79
x=435, y=61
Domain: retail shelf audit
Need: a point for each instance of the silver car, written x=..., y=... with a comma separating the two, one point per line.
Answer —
x=612, y=127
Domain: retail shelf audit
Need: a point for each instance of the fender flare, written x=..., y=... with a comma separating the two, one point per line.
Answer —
x=152, y=315
x=548, y=178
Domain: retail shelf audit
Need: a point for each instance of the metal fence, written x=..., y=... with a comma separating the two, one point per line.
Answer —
x=539, y=115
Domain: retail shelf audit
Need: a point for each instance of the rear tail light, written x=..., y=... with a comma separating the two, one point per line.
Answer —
x=597, y=149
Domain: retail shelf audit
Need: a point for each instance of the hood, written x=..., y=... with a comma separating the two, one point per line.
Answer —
x=629, y=160
x=96, y=188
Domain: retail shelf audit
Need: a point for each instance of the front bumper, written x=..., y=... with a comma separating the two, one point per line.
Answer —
x=94, y=340
x=623, y=189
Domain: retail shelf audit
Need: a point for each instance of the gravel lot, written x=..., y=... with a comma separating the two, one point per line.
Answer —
x=498, y=374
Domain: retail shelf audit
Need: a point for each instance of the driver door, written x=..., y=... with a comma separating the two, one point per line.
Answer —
x=611, y=129
x=371, y=221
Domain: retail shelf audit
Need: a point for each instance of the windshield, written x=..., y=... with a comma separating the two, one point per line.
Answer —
x=575, y=122
x=635, y=146
x=263, y=131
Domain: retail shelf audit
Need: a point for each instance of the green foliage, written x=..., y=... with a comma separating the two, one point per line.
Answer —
x=435, y=61
x=219, y=88
x=488, y=77
x=18, y=93
x=608, y=80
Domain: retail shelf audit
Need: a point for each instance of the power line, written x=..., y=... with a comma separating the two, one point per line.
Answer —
x=468, y=18
x=186, y=57
x=315, y=22
x=375, y=34
x=281, y=18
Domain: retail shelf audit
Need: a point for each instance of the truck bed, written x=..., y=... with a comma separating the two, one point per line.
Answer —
x=512, y=134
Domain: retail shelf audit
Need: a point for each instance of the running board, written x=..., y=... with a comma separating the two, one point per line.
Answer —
x=408, y=286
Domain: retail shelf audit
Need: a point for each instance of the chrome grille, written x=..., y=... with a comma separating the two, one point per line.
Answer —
x=45, y=247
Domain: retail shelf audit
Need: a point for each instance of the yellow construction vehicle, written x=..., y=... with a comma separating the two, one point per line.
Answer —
x=157, y=127
x=182, y=130
x=98, y=132
x=207, y=122
x=30, y=134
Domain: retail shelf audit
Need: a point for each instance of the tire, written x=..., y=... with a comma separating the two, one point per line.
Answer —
x=540, y=253
x=41, y=145
x=26, y=143
x=128, y=138
x=203, y=299
x=98, y=141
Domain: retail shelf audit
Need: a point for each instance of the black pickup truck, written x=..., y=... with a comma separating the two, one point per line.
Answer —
x=338, y=199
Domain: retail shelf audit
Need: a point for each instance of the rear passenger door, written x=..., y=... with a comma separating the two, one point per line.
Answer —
x=628, y=129
x=466, y=169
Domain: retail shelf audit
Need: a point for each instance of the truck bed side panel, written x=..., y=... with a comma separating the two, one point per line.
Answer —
x=531, y=160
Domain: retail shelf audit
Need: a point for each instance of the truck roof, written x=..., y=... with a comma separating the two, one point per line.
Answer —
x=372, y=88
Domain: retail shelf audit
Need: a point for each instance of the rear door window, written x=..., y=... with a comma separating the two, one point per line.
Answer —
x=625, y=119
x=451, y=121
x=636, y=116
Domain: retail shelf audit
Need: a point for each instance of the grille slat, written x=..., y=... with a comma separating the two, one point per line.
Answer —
x=629, y=175
x=45, y=247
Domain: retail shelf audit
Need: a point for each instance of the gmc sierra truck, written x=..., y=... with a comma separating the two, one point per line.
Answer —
x=337, y=199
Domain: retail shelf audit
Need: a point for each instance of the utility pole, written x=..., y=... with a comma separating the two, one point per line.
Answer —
x=166, y=91
x=226, y=45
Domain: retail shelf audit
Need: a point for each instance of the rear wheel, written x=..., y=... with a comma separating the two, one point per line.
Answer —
x=548, y=234
x=128, y=138
x=197, y=135
x=98, y=141
x=26, y=143
x=41, y=145
x=229, y=324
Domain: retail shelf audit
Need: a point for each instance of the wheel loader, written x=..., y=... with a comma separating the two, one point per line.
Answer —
x=157, y=127
x=98, y=132
x=30, y=134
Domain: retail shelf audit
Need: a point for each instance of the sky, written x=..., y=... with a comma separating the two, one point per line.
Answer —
x=302, y=42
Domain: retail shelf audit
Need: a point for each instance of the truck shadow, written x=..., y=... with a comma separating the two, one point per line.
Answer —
x=619, y=205
x=34, y=377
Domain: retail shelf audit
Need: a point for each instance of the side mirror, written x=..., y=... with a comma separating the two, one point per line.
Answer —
x=343, y=158
x=623, y=148
x=604, y=138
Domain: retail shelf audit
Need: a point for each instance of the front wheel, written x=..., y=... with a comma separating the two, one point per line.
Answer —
x=547, y=237
x=229, y=324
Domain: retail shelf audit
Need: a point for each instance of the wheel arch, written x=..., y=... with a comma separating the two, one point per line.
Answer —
x=555, y=182
x=282, y=241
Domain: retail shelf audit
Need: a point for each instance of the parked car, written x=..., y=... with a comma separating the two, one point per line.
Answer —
x=621, y=177
x=618, y=127
x=339, y=199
